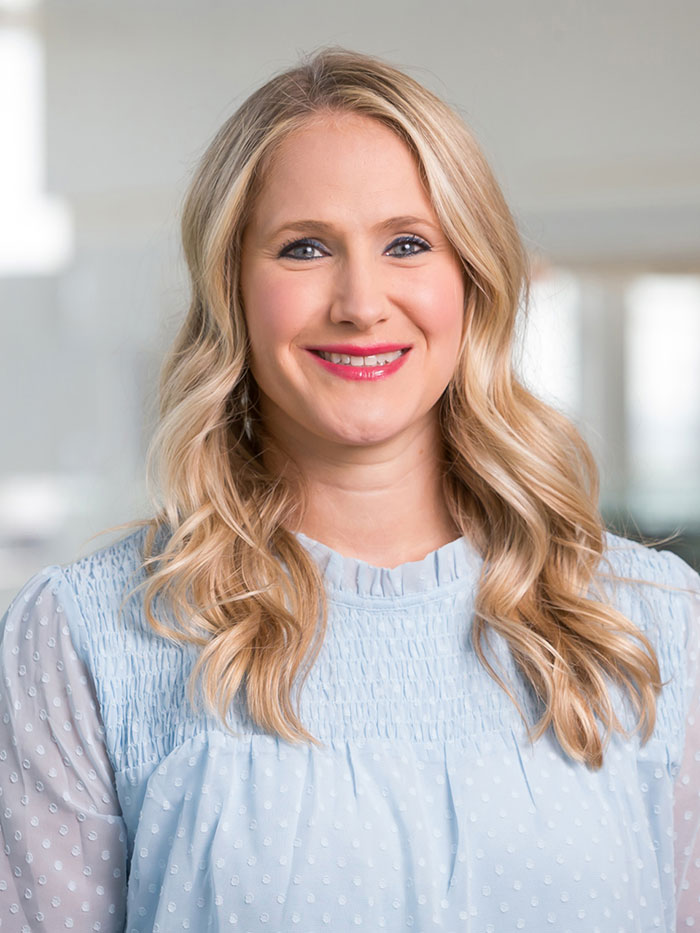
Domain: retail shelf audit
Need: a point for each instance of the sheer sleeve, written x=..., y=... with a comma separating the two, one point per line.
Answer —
x=63, y=861
x=687, y=786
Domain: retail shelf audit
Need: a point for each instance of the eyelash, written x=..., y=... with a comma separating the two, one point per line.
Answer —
x=285, y=251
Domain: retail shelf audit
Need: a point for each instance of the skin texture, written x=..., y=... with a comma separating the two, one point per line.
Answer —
x=368, y=450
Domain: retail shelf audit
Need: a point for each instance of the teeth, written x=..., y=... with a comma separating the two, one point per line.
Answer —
x=379, y=359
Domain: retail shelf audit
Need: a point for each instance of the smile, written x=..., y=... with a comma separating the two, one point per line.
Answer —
x=351, y=364
x=378, y=359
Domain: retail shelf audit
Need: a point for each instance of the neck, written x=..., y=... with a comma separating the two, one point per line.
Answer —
x=383, y=504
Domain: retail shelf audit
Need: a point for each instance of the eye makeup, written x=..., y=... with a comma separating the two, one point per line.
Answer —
x=412, y=244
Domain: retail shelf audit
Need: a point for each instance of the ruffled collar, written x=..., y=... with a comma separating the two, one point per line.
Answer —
x=456, y=561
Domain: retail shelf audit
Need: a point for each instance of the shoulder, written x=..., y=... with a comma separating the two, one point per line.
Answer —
x=640, y=576
x=631, y=560
x=39, y=605
x=660, y=594
x=110, y=570
x=655, y=589
x=107, y=597
x=84, y=597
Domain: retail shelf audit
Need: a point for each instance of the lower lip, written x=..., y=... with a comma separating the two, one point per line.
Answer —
x=358, y=373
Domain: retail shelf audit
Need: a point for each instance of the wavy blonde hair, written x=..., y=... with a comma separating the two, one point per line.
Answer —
x=519, y=480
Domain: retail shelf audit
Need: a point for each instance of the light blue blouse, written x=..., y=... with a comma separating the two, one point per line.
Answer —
x=426, y=808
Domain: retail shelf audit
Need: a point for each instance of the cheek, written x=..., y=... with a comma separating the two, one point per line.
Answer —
x=274, y=311
x=441, y=304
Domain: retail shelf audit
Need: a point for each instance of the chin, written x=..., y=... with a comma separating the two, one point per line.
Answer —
x=364, y=436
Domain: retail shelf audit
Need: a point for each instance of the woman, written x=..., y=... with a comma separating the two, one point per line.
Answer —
x=425, y=689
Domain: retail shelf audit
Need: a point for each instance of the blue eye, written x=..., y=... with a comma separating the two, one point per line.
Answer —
x=303, y=249
x=408, y=246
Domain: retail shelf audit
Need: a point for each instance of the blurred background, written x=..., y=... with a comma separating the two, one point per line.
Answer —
x=588, y=112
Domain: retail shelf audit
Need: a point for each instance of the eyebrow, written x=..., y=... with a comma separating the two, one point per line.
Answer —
x=320, y=226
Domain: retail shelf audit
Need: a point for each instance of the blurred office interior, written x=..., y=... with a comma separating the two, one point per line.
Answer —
x=588, y=113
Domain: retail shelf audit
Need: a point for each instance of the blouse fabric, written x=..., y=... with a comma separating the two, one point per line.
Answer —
x=425, y=808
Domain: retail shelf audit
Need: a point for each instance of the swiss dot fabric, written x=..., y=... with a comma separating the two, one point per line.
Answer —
x=425, y=807
x=64, y=864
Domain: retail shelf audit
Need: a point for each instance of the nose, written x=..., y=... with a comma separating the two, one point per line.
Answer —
x=359, y=296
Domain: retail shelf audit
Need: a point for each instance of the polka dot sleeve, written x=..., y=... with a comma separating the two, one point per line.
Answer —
x=687, y=786
x=63, y=860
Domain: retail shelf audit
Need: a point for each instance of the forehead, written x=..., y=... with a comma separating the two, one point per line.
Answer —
x=340, y=163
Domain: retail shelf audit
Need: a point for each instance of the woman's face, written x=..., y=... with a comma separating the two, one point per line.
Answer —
x=353, y=297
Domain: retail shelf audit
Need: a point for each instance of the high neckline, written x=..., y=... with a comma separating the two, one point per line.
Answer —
x=457, y=560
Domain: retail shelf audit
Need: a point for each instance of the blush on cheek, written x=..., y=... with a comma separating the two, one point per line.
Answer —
x=443, y=308
x=277, y=309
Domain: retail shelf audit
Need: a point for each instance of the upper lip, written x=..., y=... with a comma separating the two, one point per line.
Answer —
x=350, y=349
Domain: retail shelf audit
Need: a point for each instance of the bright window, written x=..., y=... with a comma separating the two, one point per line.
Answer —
x=663, y=399
x=549, y=351
x=35, y=229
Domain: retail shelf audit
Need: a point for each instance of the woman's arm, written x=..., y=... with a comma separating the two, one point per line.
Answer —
x=63, y=861
x=687, y=785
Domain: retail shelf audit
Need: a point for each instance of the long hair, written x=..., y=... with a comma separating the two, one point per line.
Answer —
x=519, y=480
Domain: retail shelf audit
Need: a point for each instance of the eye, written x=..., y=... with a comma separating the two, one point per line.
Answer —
x=303, y=249
x=407, y=246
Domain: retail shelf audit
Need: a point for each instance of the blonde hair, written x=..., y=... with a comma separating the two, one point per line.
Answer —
x=519, y=480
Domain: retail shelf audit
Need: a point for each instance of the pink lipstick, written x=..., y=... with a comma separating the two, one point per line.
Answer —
x=354, y=362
